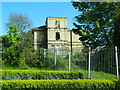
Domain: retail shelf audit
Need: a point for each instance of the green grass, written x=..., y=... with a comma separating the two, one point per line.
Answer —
x=98, y=75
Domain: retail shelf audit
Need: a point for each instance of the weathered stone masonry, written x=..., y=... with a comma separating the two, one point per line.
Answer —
x=55, y=35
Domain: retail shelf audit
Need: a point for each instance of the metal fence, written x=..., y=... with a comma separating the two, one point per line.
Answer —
x=94, y=63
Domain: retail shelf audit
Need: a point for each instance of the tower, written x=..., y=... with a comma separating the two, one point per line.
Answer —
x=57, y=32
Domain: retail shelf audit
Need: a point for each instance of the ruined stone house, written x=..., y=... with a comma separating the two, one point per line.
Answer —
x=56, y=35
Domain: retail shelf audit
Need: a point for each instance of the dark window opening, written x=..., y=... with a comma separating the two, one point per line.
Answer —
x=57, y=23
x=57, y=35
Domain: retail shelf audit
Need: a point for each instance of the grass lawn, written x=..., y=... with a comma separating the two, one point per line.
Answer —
x=98, y=75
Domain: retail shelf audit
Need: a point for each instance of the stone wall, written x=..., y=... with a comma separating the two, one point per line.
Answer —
x=40, y=39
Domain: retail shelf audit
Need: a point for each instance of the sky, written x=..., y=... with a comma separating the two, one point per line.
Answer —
x=38, y=11
x=36, y=0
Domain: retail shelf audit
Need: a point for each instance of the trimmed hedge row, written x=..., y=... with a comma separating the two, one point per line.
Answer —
x=83, y=84
x=39, y=74
x=117, y=83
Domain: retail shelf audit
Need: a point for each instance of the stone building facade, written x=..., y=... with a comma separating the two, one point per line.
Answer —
x=55, y=35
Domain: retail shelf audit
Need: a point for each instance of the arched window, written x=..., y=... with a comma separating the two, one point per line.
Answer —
x=57, y=35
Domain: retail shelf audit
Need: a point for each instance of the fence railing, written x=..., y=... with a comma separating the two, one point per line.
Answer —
x=91, y=62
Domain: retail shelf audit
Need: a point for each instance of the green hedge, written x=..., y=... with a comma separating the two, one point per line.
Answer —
x=83, y=84
x=117, y=83
x=39, y=74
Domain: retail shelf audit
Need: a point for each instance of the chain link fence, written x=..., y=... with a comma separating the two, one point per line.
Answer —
x=93, y=63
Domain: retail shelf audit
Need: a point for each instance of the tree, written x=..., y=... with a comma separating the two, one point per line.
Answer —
x=116, y=34
x=18, y=50
x=95, y=23
x=11, y=42
x=13, y=33
x=21, y=20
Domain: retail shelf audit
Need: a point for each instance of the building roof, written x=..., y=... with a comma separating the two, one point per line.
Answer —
x=40, y=28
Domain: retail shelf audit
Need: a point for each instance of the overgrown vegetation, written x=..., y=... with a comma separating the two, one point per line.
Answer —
x=18, y=50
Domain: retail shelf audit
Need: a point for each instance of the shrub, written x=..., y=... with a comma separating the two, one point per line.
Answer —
x=40, y=74
x=117, y=83
x=68, y=84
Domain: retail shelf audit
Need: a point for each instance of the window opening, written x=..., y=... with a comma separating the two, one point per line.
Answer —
x=57, y=23
x=57, y=35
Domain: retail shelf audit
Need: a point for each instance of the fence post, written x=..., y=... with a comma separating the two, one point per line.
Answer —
x=116, y=56
x=55, y=58
x=44, y=56
x=89, y=62
x=69, y=60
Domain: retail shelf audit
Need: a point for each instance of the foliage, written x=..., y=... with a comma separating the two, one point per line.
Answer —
x=95, y=22
x=117, y=82
x=116, y=34
x=21, y=20
x=12, y=37
x=61, y=84
x=11, y=42
x=49, y=60
x=0, y=52
x=40, y=74
x=37, y=60
x=94, y=74
x=18, y=50
x=31, y=56
x=81, y=56
x=61, y=61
